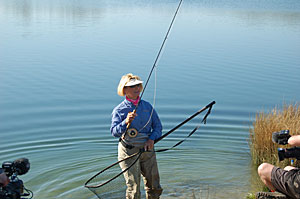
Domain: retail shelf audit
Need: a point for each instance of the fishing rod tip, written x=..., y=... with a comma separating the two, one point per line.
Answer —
x=212, y=103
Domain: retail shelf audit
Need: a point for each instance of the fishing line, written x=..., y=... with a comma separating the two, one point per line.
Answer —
x=154, y=100
x=162, y=45
x=156, y=60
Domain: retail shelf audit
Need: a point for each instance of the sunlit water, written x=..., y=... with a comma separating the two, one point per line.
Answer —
x=61, y=61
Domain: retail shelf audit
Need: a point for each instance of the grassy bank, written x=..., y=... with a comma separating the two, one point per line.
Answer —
x=261, y=146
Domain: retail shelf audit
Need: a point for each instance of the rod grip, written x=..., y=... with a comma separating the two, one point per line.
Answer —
x=129, y=123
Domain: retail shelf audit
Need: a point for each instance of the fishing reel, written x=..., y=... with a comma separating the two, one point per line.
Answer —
x=132, y=132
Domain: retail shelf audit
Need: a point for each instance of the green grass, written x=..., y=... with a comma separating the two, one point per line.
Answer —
x=250, y=196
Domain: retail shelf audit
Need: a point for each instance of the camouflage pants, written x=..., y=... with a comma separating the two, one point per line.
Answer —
x=287, y=182
x=146, y=166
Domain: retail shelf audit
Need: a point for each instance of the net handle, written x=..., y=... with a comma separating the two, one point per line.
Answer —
x=210, y=105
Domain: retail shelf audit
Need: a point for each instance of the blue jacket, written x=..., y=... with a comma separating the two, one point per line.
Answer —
x=153, y=129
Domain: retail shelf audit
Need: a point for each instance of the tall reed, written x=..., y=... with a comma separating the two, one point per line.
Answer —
x=261, y=146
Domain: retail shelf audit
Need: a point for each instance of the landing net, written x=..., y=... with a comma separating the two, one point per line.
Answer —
x=110, y=183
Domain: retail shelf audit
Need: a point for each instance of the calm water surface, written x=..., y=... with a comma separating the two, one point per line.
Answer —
x=61, y=61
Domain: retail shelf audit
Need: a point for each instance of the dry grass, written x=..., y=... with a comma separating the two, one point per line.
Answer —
x=261, y=146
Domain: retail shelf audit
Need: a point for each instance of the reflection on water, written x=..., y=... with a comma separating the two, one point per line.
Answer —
x=74, y=12
x=61, y=62
x=78, y=12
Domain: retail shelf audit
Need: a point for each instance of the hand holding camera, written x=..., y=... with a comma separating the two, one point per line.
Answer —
x=282, y=137
x=3, y=179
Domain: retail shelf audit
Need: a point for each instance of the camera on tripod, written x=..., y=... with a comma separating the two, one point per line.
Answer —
x=15, y=188
x=282, y=137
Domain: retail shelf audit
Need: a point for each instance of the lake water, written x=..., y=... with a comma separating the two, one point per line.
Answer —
x=61, y=61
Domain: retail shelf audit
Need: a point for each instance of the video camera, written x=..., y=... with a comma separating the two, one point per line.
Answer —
x=15, y=188
x=282, y=138
x=289, y=153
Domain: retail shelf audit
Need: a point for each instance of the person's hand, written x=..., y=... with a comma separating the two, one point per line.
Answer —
x=3, y=180
x=149, y=145
x=130, y=117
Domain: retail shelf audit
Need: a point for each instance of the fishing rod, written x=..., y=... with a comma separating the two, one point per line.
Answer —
x=156, y=59
x=160, y=50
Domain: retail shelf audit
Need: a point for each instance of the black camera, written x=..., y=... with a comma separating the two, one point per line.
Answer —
x=289, y=153
x=281, y=137
x=15, y=188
